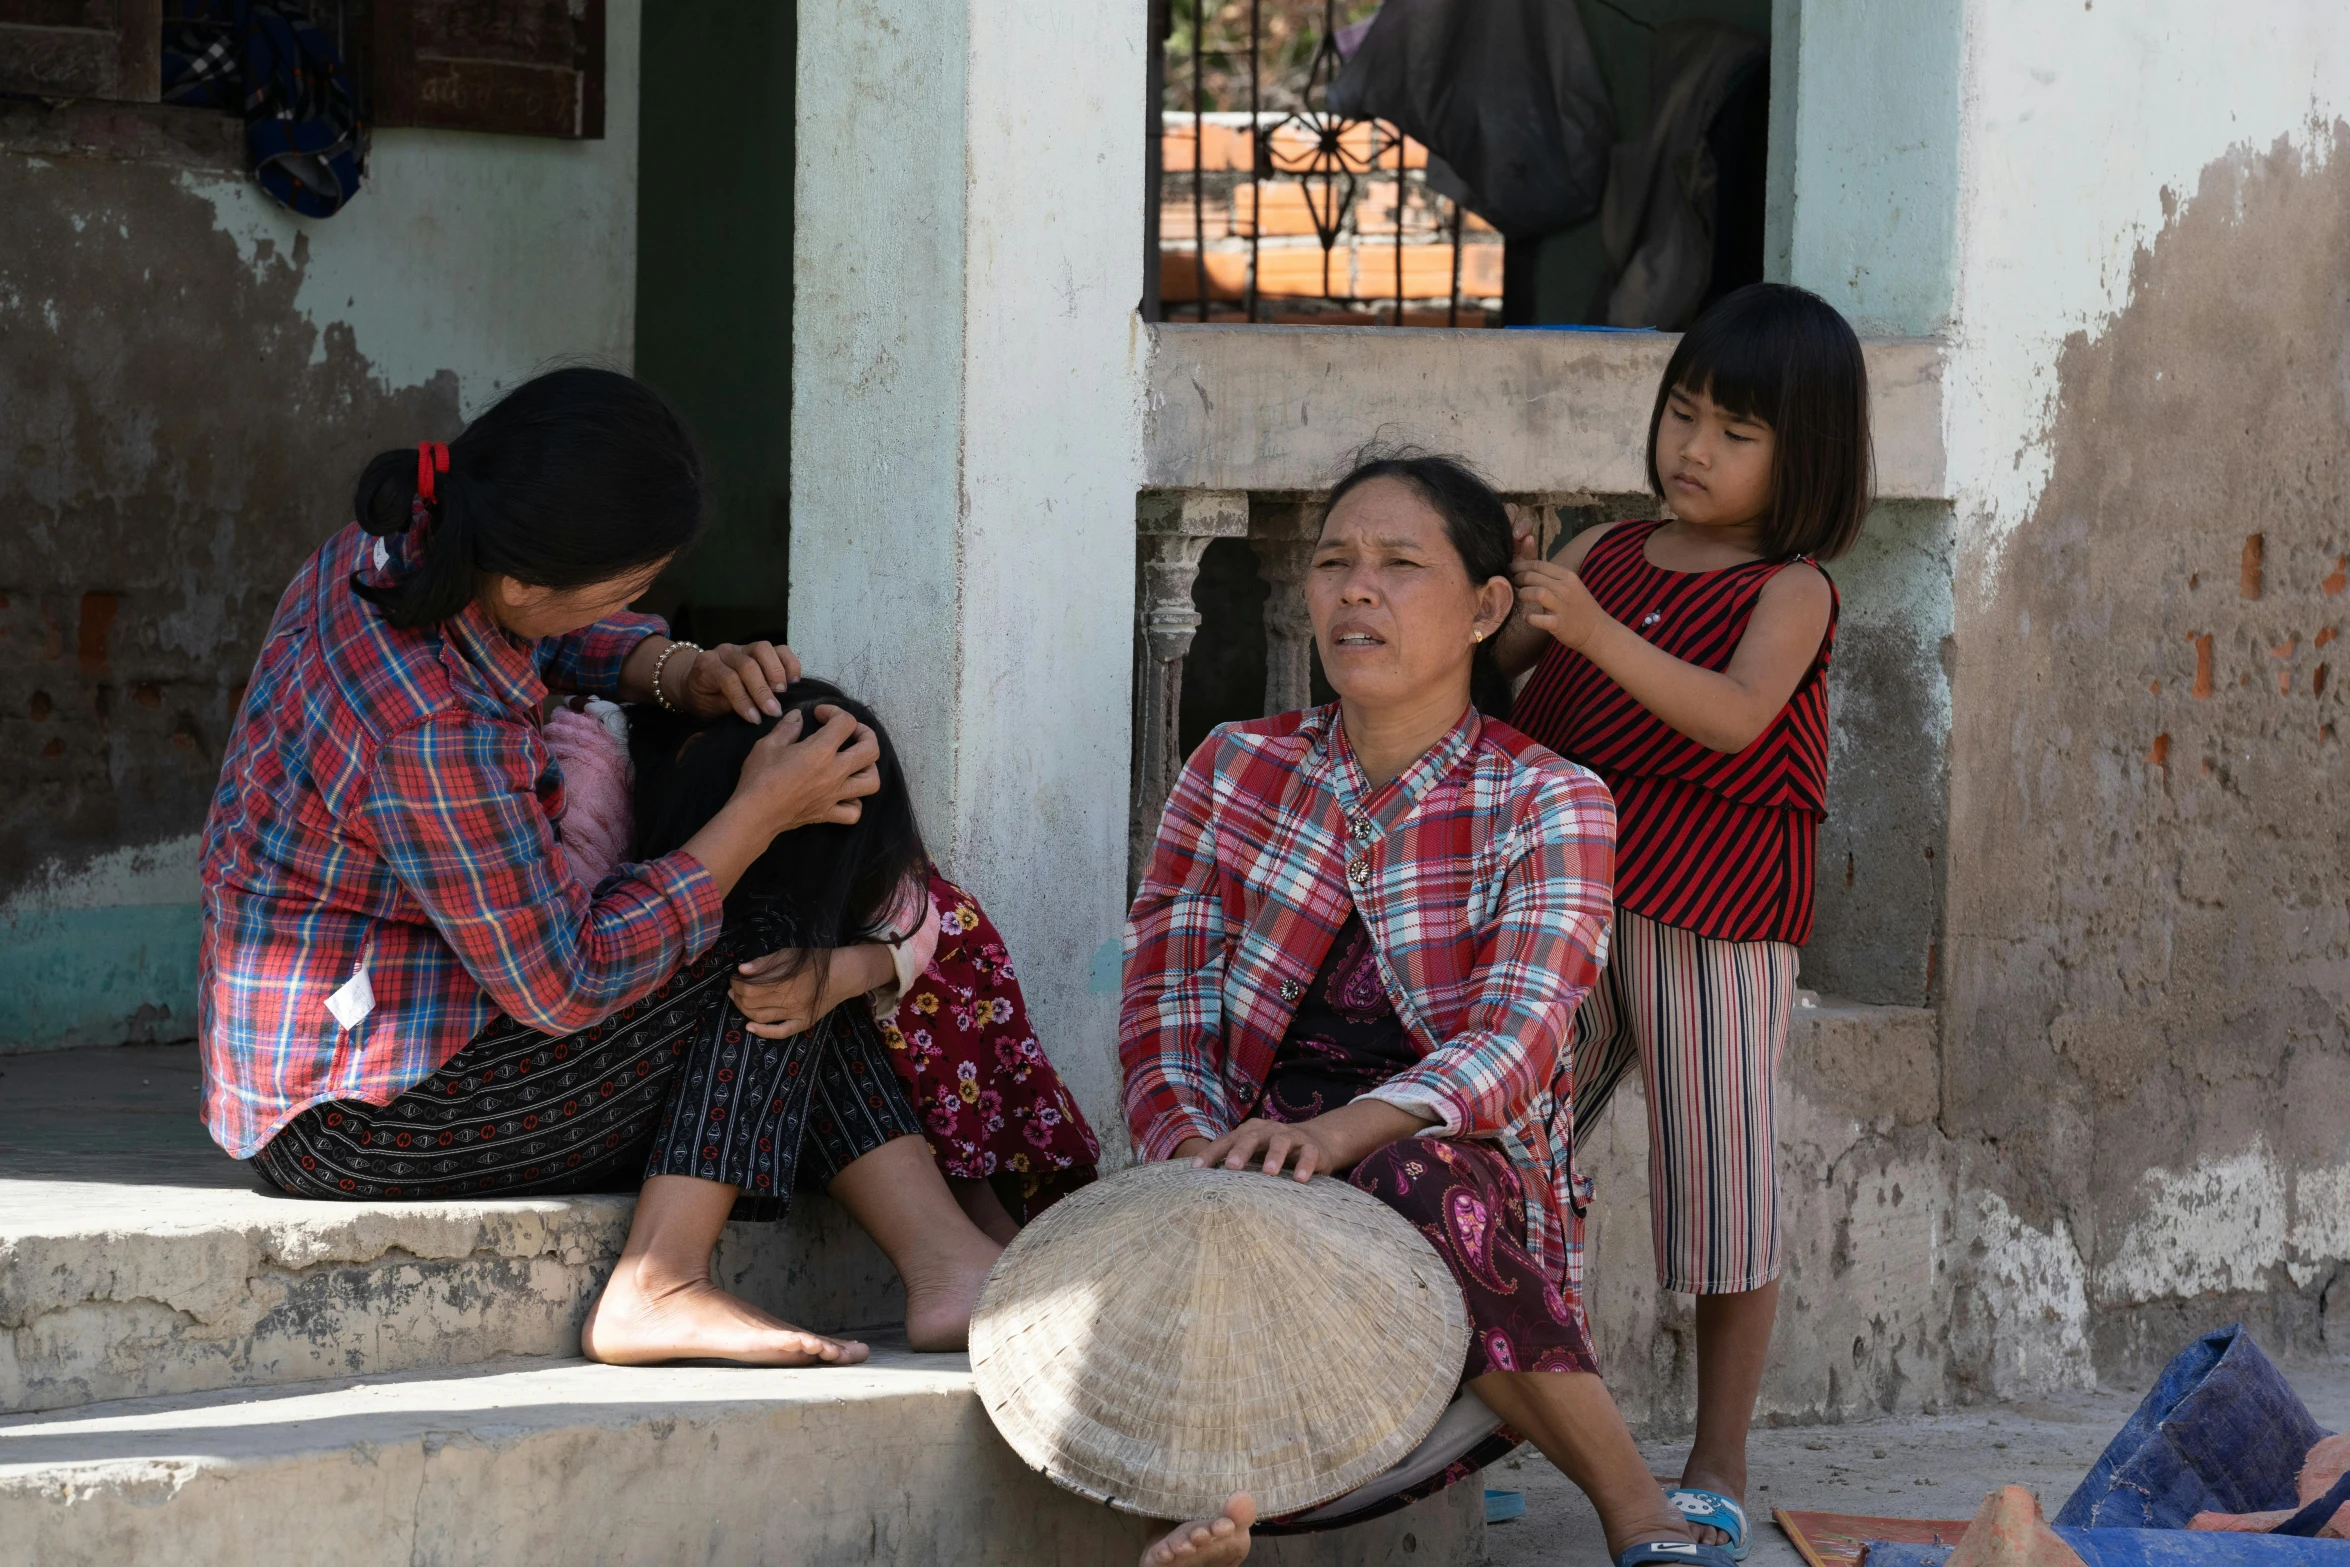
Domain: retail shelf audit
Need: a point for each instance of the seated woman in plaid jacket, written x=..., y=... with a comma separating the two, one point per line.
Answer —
x=405, y=990
x=1358, y=946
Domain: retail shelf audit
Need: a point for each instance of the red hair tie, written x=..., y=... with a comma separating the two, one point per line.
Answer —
x=431, y=457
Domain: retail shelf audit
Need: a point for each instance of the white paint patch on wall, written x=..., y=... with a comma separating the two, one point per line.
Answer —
x=2225, y=1224
x=138, y=877
x=2025, y=1317
x=2320, y=1232
x=2079, y=124
x=490, y=256
x=2217, y=1227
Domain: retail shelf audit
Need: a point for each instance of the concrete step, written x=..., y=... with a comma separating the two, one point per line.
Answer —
x=136, y=1259
x=563, y=1461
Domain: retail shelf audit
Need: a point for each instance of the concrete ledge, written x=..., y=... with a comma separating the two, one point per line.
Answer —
x=124, y=1292
x=1278, y=408
x=571, y=1463
x=155, y=1265
x=1865, y=1203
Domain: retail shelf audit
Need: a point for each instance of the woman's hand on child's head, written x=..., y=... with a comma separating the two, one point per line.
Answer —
x=1553, y=599
x=741, y=679
x=796, y=782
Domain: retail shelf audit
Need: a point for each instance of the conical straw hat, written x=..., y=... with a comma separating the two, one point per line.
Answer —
x=1169, y=1336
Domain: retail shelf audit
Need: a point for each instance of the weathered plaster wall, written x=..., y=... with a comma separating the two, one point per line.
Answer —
x=189, y=378
x=1864, y=1313
x=966, y=447
x=1877, y=922
x=2148, y=983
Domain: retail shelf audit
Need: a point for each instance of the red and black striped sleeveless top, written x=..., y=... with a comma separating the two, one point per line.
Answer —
x=1714, y=843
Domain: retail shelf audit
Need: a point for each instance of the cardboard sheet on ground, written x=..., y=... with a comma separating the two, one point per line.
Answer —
x=1840, y=1539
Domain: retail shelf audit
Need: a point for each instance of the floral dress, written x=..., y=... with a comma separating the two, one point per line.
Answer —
x=962, y=1043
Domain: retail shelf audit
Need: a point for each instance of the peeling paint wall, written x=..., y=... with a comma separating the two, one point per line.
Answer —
x=2146, y=1069
x=189, y=379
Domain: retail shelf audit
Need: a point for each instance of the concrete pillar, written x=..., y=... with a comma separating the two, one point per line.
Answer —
x=966, y=449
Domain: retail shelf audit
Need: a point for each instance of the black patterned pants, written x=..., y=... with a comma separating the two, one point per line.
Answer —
x=673, y=1085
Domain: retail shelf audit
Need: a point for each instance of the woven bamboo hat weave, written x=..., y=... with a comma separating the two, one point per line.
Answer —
x=1169, y=1336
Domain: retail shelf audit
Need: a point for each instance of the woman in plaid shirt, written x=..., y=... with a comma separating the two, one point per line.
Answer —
x=1362, y=934
x=405, y=994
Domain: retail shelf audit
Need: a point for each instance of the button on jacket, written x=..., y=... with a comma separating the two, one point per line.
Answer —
x=1483, y=875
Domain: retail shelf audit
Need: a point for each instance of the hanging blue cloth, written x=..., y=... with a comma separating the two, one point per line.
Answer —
x=272, y=65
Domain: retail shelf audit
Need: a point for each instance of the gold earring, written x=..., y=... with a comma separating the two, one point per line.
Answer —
x=1476, y=636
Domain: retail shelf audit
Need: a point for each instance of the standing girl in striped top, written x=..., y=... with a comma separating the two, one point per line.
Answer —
x=1685, y=661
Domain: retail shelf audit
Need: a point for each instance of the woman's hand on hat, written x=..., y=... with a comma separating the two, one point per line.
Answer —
x=1324, y=1145
x=737, y=678
x=795, y=781
x=1292, y=1147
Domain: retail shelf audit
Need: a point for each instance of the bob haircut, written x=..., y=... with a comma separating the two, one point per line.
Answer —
x=1783, y=357
x=1476, y=522
x=818, y=887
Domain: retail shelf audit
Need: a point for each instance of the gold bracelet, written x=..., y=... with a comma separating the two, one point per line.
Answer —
x=662, y=663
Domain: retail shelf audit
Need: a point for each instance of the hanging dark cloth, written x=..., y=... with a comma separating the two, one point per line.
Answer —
x=276, y=68
x=1664, y=197
x=1505, y=93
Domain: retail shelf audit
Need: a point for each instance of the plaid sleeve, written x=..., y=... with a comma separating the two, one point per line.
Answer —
x=1171, y=1021
x=451, y=808
x=1538, y=956
x=588, y=661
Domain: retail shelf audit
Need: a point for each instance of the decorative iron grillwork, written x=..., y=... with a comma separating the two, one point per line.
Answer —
x=1328, y=159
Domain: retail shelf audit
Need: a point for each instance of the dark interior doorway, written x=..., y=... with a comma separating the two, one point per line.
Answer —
x=714, y=292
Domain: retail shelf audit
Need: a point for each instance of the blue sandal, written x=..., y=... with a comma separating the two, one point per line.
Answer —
x=1676, y=1553
x=1713, y=1510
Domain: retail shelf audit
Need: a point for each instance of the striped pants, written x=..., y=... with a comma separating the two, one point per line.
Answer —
x=1706, y=1021
x=672, y=1085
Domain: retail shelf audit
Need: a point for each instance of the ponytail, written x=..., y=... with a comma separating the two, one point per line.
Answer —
x=574, y=477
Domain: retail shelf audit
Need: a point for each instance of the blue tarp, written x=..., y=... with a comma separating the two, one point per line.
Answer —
x=2151, y=1548
x=2220, y=1431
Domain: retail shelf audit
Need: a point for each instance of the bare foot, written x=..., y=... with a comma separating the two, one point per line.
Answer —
x=942, y=1293
x=1207, y=1542
x=641, y=1322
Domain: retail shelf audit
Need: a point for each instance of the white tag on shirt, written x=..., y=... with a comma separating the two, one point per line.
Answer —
x=354, y=1001
x=383, y=554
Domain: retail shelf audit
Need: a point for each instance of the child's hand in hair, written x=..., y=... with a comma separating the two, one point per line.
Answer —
x=786, y=992
x=1525, y=543
x=741, y=679
x=1554, y=600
